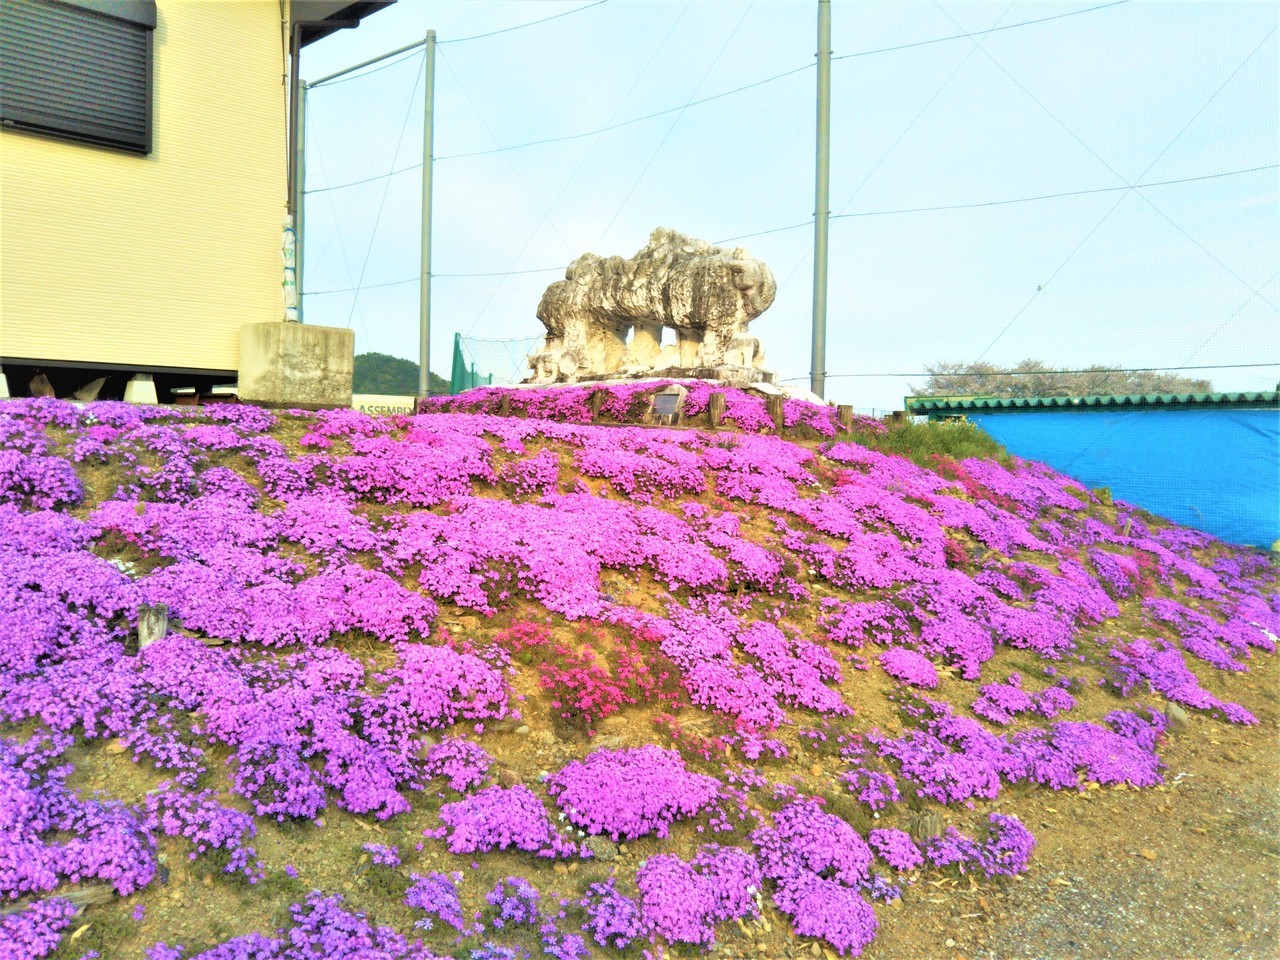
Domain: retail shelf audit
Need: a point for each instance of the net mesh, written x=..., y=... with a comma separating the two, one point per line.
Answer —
x=478, y=362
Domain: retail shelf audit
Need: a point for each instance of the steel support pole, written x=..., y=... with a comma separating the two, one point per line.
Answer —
x=367, y=63
x=428, y=155
x=822, y=204
x=299, y=194
x=295, y=80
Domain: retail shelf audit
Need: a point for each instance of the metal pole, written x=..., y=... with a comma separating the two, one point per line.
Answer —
x=295, y=52
x=368, y=63
x=428, y=149
x=291, y=148
x=300, y=190
x=822, y=204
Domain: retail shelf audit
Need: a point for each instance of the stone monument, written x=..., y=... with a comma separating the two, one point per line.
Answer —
x=605, y=319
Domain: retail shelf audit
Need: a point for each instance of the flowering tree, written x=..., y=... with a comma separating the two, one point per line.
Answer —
x=1034, y=378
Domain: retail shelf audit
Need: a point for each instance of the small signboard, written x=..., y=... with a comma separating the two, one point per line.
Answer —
x=667, y=406
x=379, y=404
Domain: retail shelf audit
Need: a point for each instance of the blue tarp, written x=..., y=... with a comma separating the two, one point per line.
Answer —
x=1215, y=470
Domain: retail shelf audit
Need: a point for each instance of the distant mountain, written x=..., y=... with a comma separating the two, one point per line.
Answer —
x=381, y=373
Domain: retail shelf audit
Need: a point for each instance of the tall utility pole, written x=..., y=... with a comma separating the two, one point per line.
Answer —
x=822, y=204
x=428, y=155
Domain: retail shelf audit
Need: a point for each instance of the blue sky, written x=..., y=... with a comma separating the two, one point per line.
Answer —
x=1132, y=93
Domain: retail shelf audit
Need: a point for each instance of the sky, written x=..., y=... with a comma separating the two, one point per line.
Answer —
x=1100, y=100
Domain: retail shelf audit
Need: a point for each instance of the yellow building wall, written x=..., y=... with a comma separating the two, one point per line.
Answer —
x=108, y=257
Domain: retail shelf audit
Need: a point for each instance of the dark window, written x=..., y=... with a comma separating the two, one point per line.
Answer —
x=78, y=69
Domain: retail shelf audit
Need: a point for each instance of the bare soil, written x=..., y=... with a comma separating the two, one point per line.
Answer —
x=1185, y=871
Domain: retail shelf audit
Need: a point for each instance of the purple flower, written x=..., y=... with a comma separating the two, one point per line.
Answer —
x=828, y=909
x=805, y=837
x=630, y=793
x=383, y=855
x=909, y=667
x=36, y=931
x=613, y=919
x=896, y=848
x=320, y=927
x=683, y=901
x=497, y=818
x=516, y=900
x=436, y=894
x=1006, y=851
x=463, y=763
x=175, y=811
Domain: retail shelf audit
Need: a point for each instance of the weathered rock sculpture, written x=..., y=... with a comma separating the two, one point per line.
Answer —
x=707, y=295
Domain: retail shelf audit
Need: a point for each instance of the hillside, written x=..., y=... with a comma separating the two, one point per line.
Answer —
x=469, y=685
x=380, y=373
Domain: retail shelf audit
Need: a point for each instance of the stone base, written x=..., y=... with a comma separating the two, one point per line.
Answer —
x=735, y=376
x=731, y=376
x=296, y=365
x=141, y=389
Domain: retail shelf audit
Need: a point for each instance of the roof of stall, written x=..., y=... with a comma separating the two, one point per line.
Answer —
x=958, y=406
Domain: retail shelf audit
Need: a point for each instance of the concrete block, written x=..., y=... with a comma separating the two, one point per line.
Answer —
x=4, y=387
x=296, y=365
x=140, y=389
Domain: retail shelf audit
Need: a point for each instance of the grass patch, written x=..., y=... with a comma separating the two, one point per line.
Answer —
x=919, y=442
x=278, y=885
x=104, y=929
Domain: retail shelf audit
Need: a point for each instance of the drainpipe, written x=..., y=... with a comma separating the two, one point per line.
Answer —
x=295, y=50
x=293, y=178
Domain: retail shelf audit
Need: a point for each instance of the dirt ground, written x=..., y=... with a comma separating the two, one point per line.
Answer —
x=1186, y=871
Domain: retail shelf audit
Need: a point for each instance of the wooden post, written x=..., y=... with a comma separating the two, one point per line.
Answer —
x=504, y=405
x=597, y=398
x=153, y=624
x=715, y=410
x=774, y=406
x=844, y=414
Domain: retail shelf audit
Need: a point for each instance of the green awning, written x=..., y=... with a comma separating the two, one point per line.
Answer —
x=956, y=406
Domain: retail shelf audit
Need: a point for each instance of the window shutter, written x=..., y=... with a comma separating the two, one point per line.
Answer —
x=70, y=71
